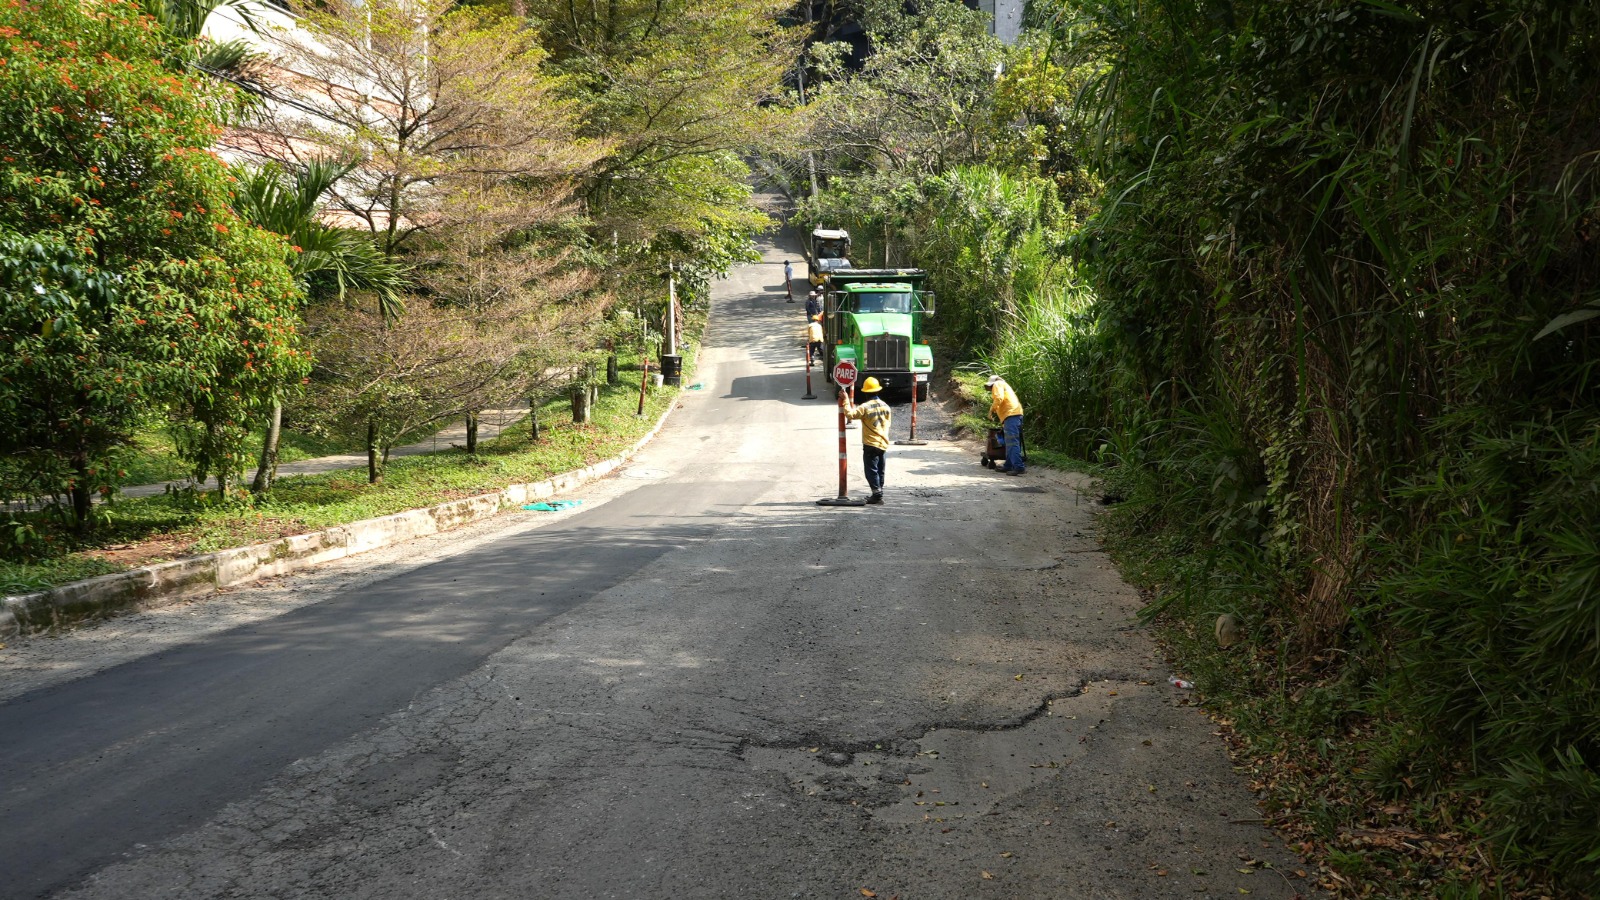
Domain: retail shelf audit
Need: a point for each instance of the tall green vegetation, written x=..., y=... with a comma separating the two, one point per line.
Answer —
x=1345, y=254
x=130, y=287
x=470, y=159
x=681, y=92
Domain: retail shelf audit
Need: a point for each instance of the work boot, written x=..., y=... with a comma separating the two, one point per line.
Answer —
x=1015, y=471
x=876, y=499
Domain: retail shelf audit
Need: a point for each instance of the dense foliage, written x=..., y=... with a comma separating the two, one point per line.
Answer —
x=1347, y=260
x=130, y=287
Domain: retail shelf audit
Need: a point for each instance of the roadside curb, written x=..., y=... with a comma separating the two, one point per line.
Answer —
x=161, y=584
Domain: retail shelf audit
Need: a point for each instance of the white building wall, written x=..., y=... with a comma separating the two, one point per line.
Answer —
x=1005, y=18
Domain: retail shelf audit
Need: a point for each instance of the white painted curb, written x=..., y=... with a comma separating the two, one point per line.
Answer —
x=157, y=585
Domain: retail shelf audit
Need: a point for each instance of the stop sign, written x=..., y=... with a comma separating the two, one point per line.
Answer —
x=844, y=374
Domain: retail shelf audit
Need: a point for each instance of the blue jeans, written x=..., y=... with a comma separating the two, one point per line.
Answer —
x=872, y=461
x=1014, y=458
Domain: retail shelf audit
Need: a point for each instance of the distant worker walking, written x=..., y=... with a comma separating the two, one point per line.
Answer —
x=1008, y=409
x=814, y=340
x=788, y=280
x=874, y=418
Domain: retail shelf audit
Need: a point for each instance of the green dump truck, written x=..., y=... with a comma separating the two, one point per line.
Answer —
x=876, y=319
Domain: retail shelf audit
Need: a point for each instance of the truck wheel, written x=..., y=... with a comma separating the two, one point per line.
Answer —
x=922, y=392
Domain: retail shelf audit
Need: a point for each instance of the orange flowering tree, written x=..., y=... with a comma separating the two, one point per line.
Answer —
x=129, y=289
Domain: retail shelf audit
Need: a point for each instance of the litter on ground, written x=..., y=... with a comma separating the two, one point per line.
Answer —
x=553, y=505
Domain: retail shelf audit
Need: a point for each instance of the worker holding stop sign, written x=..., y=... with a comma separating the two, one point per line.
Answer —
x=874, y=417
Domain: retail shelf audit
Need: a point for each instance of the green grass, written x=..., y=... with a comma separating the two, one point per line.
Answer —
x=190, y=523
x=152, y=459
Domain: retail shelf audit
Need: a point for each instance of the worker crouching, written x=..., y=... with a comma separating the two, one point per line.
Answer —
x=1008, y=409
x=874, y=418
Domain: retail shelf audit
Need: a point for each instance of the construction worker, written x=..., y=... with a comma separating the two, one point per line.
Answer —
x=1008, y=409
x=874, y=418
x=788, y=280
x=814, y=339
x=814, y=304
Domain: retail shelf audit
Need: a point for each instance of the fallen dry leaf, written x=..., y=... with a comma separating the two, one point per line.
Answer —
x=988, y=875
x=867, y=893
x=1006, y=855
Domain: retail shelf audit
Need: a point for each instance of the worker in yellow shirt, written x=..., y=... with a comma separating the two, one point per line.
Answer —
x=874, y=417
x=814, y=340
x=1008, y=409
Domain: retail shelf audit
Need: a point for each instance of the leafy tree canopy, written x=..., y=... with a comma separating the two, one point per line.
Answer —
x=130, y=285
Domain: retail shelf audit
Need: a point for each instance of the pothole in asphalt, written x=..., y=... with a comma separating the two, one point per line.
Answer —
x=949, y=773
x=644, y=472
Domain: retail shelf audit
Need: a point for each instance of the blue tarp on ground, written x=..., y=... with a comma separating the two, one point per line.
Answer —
x=553, y=505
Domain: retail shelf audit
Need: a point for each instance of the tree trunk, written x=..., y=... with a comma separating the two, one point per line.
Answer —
x=374, y=467
x=472, y=432
x=594, y=397
x=80, y=492
x=519, y=8
x=580, y=405
x=611, y=369
x=533, y=419
x=220, y=464
x=267, y=471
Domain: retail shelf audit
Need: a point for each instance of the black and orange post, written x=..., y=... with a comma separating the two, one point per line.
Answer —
x=916, y=388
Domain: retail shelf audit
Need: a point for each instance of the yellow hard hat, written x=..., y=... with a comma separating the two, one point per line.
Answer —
x=871, y=386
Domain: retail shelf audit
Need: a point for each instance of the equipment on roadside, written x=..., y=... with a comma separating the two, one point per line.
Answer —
x=874, y=318
x=994, y=450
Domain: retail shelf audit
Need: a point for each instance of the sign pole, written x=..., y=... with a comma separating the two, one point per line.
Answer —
x=644, y=376
x=916, y=388
x=844, y=374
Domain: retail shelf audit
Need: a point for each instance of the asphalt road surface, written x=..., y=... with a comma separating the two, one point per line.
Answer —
x=698, y=684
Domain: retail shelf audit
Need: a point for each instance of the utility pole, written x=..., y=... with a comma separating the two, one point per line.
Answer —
x=811, y=159
x=669, y=342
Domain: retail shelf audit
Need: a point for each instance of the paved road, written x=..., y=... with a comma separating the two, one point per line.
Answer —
x=698, y=684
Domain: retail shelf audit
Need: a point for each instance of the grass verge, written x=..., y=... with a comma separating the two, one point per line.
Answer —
x=1311, y=734
x=141, y=531
x=152, y=459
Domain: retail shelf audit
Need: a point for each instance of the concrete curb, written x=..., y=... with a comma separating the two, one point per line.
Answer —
x=161, y=584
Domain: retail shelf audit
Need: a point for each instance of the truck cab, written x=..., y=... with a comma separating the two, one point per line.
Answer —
x=830, y=243
x=875, y=318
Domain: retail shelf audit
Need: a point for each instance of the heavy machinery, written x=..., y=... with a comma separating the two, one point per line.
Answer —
x=830, y=252
x=875, y=318
x=830, y=243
